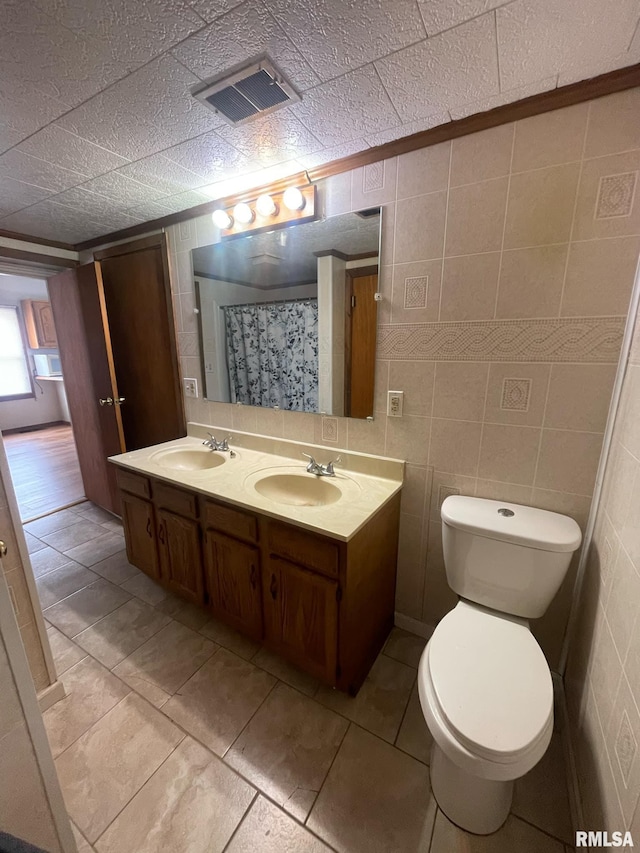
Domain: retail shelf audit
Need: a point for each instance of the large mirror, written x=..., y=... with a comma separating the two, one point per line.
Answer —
x=287, y=318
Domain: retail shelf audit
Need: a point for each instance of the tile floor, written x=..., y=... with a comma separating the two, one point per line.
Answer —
x=177, y=734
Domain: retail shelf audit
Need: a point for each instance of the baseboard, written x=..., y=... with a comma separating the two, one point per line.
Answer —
x=50, y=695
x=575, y=801
x=415, y=626
x=34, y=427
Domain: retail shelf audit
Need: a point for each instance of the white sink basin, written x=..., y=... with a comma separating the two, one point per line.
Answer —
x=189, y=459
x=298, y=489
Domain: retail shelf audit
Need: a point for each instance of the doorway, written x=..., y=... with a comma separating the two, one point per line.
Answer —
x=34, y=415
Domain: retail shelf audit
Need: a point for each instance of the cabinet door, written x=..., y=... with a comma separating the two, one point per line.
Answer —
x=301, y=616
x=140, y=533
x=45, y=328
x=180, y=557
x=233, y=580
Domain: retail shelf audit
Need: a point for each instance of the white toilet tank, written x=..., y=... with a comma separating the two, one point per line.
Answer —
x=505, y=556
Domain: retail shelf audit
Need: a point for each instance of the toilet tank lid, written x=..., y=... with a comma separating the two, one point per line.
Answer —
x=521, y=525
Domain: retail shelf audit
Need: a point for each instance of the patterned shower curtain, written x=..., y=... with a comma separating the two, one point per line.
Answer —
x=272, y=354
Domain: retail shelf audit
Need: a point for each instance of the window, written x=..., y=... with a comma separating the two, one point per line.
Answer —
x=15, y=381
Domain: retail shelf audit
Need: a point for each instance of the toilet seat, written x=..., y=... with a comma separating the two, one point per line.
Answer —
x=486, y=692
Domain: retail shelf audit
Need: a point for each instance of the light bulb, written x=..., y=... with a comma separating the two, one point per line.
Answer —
x=266, y=206
x=221, y=219
x=242, y=213
x=293, y=199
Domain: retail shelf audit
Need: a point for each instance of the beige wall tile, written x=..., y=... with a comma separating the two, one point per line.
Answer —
x=408, y=438
x=622, y=737
x=424, y=171
x=540, y=206
x=623, y=602
x=482, y=156
x=605, y=669
x=416, y=379
x=579, y=396
x=509, y=453
x=630, y=532
x=475, y=218
x=381, y=386
x=367, y=436
x=618, y=196
x=420, y=228
x=550, y=139
x=455, y=446
x=600, y=277
x=629, y=424
x=416, y=285
x=411, y=559
x=575, y=506
x=497, y=491
x=374, y=184
x=439, y=598
x=443, y=485
x=516, y=393
x=469, y=285
x=413, y=492
x=460, y=389
x=568, y=461
x=531, y=282
x=298, y=426
x=613, y=124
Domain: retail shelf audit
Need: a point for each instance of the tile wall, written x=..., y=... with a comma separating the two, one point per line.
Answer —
x=507, y=264
x=603, y=675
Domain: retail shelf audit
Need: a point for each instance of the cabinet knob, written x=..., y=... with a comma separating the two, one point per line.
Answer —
x=161, y=533
x=273, y=588
x=149, y=533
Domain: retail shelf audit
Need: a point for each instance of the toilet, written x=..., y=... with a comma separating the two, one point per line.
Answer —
x=484, y=683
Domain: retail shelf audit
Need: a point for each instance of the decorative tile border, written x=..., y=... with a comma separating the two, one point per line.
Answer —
x=579, y=339
x=329, y=429
x=373, y=177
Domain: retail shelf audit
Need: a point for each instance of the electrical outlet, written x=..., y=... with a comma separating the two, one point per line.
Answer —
x=394, y=403
x=190, y=387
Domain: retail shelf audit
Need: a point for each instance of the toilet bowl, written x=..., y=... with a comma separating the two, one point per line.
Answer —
x=487, y=696
x=484, y=684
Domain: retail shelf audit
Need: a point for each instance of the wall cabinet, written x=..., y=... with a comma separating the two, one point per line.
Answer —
x=38, y=319
x=323, y=604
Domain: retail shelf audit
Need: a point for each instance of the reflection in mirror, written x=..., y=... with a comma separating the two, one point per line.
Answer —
x=287, y=318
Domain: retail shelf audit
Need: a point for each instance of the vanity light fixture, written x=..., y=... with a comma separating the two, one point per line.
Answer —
x=266, y=206
x=221, y=219
x=243, y=214
x=276, y=209
x=293, y=199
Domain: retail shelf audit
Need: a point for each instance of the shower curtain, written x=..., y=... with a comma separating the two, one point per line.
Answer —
x=272, y=354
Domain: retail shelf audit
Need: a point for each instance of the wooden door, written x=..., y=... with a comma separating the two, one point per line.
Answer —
x=140, y=311
x=301, y=616
x=361, y=345
x=233, y=581
x=139, y=525
x=180, y=555
x=79, y=313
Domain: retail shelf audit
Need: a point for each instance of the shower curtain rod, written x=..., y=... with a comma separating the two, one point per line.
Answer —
x=308, y=299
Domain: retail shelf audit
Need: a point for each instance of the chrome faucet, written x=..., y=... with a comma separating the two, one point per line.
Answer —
x=213, y=444
x=321, y=470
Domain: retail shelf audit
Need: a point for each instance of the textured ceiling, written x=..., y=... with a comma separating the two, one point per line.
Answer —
x=98, y=130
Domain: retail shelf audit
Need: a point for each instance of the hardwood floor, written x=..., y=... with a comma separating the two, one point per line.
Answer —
x=44, y=469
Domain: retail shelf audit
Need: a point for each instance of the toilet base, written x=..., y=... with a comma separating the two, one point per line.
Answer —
x=476, y=805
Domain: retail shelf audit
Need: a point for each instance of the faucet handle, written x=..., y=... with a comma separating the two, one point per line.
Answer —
x=224, y=444
x=329, y=467
x=312, y=467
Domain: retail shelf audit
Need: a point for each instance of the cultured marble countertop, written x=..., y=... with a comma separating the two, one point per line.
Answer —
x=367, y=482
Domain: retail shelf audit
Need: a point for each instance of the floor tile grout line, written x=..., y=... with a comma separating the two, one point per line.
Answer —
x=328, y=773
x=242, y=820
x=235, y=740
x=404, y=713
x=538, y=828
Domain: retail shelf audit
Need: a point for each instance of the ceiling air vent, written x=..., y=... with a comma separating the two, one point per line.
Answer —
x=248, y=91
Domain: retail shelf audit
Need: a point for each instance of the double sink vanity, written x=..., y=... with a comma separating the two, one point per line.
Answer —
x=303, y=563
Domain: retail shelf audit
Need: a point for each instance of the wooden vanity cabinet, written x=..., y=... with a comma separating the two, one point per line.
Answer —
x=324, y=604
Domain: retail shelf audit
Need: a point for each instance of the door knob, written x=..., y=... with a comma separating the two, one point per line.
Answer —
x=3, y=549
x=118, y=401
x=106, y=401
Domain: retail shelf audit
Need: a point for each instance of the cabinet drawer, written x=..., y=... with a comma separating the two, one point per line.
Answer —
x=234, y=522
x=133, y=483
x=176, y=500
x=303, y=548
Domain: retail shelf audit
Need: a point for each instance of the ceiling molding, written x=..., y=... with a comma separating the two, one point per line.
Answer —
x=41, y=241
x=575, y=93
x=35, y=259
